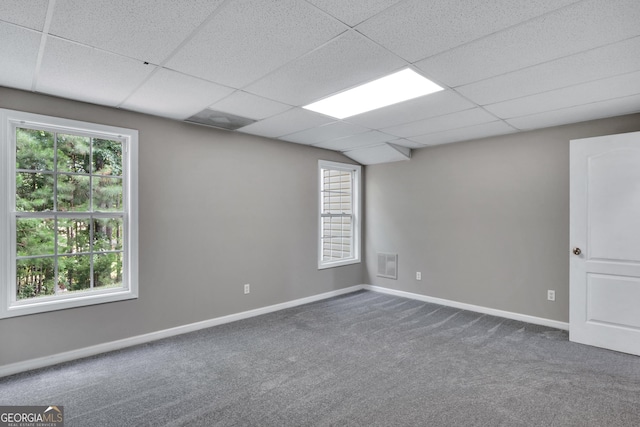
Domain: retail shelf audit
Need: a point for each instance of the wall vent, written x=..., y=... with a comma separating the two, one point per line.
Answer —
x=388, y=265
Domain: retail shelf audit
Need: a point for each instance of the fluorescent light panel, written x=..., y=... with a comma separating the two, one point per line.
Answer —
x=388, y=90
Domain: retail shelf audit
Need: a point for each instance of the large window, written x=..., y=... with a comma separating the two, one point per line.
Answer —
x=69, y=213
x=339, y=214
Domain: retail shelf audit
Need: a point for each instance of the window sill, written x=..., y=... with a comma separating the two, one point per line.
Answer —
x=45, y=304
x=325, y=265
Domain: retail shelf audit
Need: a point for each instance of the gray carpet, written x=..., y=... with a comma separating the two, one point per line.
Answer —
x=362, y=359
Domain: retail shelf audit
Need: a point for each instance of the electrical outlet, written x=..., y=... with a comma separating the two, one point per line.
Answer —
x=247, y=288
x=551, y=295
x=418, y=275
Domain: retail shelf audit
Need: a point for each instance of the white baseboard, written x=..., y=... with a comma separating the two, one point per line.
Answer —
x=67, y=356
x=477, y=308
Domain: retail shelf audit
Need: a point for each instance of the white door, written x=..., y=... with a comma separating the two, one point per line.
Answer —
x=605, y=242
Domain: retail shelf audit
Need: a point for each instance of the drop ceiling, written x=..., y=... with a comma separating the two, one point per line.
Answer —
x=506, y=65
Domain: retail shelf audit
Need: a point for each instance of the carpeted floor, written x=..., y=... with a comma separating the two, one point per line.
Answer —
x=362, y=359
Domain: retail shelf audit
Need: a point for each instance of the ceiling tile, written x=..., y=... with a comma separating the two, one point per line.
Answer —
x=244, y=104
x=356, y=141
x=580, y=113
x=585, y=93
x=30, y=14
x=415, y=29
x=170, y=94
x=435, y=104
x=250, y=38
x=19, y=53
x=383, y=153
x=581, y=26
x=84, y=73
x=441, y=123
x=286, y=123
x=607, y=61
x=353, y=12
x=345, y=62
x=463, y=134
x=325, y=133
x=148, y=30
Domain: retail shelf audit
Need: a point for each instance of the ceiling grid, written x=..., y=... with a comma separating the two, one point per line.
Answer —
x=505, y=65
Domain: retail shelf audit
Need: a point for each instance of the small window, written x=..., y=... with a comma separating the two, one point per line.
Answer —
x=339, y=219
x=69, y=212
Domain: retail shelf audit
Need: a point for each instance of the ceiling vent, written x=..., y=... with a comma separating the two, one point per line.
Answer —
x=218, y=119
x=388, y=265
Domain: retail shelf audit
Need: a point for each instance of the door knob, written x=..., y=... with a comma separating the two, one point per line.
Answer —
x=577, y=251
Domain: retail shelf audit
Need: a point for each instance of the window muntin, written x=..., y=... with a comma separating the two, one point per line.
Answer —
x=70, y=213
x=339, y=208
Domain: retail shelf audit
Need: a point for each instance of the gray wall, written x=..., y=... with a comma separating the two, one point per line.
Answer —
x=485, y=221
x=217, y=210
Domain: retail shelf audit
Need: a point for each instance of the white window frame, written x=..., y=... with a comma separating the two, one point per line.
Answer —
x=9, y=305
x=356, y=171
